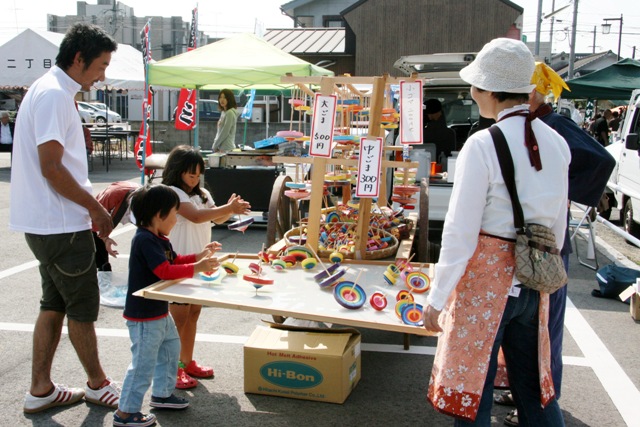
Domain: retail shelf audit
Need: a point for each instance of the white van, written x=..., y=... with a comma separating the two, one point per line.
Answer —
x=625, y=179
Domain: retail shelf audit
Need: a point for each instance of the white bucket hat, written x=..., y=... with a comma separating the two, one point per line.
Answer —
x=503, y=65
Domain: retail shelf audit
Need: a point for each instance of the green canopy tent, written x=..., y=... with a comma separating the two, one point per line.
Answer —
x=244, y=61
x=616, y=81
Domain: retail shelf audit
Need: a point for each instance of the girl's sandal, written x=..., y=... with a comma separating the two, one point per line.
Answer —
x=184, y=381
x=198, y=371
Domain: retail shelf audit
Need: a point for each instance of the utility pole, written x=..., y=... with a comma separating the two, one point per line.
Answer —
x=572, y=55
x=553, y=19
x=536, y=51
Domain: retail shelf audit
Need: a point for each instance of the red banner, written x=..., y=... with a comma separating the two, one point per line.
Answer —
x=187, y=102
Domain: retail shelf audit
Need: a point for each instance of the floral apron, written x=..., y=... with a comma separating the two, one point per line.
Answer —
x=470, y=326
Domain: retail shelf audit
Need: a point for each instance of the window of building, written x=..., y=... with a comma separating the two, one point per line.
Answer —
x=304, y=21
x=332, y=21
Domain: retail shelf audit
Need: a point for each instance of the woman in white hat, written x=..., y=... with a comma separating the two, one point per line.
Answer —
x=482, y=304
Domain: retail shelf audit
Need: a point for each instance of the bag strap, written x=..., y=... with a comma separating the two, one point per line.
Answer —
x=508, y=174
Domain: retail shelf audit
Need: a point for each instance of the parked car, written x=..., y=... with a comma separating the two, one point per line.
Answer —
x=87, y=115
x=208, y=110
x=624, y=182
x=101, y=112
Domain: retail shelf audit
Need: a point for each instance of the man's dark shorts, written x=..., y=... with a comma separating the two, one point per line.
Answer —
x=68, y=272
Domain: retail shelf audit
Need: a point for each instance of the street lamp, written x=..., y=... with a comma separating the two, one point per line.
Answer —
x=606, y=29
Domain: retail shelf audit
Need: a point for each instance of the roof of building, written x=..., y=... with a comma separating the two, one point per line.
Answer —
x=308, y=41
x=584, y=62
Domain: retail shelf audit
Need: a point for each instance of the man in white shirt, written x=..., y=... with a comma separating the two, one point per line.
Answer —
x=6, y=133
x=53, y=204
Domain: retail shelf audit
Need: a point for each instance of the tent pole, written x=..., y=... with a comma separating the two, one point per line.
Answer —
x=267, y=112
x=197, y=128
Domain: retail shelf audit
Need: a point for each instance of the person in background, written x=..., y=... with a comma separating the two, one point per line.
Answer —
x=226, y=136
x=50, y=164
x=155, y=344
x=614, y=124
x=436, y=130
x=482, y=123
x=197, y=210
x=589, y=170
x=601, y=128
x=486, y=308
x=6, y=133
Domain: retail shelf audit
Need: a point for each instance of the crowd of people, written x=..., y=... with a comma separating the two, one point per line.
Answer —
x=475, y=301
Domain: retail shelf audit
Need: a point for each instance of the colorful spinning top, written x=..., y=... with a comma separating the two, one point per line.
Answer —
x=326, y=273
x=404, y=294
x=255, y=268
x=378, y=301
x=417, y=282
x=390, y=278
x=336, y=257
x=412, y=314
x=400, y=306
x=209, y=276
x=333, y=279
x=241, y=225
x=278, y=264
x=257, y=281
x=349, y=295
x=309, y=263
x=230, y=268
x=299, y=252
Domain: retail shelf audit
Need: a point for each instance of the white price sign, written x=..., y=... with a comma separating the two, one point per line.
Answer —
x=411, y=124
x=324, y=116
x=369, y=166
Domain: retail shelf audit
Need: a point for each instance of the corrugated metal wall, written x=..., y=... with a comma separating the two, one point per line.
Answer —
x=385, y=30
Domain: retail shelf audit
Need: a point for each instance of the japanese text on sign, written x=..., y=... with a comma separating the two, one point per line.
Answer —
x=411, y=112
x=369, y=165
x=324, y=115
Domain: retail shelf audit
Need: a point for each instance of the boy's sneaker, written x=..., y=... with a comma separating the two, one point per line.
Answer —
x=108, y=395
x=61, y=395
x=171, y=402
x=138, y=419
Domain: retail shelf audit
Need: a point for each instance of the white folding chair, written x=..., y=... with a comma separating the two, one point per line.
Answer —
x=583, y=227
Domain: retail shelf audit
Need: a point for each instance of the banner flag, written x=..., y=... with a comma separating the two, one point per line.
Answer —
x=142, y=147
x=187, y=102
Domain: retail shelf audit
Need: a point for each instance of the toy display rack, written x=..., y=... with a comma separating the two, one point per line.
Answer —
x=329, y=86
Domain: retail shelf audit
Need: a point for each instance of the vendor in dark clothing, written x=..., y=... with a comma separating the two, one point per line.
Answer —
x=436, y=130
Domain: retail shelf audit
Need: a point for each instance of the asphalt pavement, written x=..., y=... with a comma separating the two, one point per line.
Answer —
x=601, y=353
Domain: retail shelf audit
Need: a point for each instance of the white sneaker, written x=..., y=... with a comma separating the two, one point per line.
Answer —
x=62, y=395
x=108, y=396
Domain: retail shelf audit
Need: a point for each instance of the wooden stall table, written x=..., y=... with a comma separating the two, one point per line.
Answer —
x=295, y=293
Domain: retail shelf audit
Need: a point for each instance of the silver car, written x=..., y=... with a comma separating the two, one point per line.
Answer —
x=101, y=111
x=87, y=115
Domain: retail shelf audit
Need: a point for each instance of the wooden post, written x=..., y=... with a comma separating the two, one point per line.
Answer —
x=318, y=169
x=364, y=210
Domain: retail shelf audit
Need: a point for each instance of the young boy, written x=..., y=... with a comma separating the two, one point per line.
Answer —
x=155, y=345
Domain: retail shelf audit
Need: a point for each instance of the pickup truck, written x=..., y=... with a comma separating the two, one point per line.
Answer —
x=624, y=183
x=440, y=77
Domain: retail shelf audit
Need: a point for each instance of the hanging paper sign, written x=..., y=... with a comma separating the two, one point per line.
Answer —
x=369, y=165
x=411, y=112
x=324, y=116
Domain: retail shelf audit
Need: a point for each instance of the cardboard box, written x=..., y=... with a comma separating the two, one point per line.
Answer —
x=302, y=363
